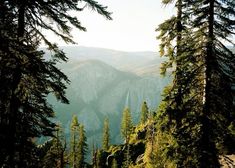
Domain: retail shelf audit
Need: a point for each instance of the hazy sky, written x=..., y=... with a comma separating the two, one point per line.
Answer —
x=132, y=28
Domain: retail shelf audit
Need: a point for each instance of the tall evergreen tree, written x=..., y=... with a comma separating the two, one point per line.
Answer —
x=94, y=156
x=178, y=45
x=126, y=125
x=82, y=147
x=214, y=21
x=74, y=139
x=26, y=77
x=61, y=147
x=55, y=154
x=144, y=112
x=195, y=104
x=126, y=130
x=106, y=135
x=52, y=157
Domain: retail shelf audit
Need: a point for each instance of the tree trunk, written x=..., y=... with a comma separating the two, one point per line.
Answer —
x=207, y=143
x=14, y=101
x=179, y=28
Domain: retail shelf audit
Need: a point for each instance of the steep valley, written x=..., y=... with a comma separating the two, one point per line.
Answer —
x=98, y=89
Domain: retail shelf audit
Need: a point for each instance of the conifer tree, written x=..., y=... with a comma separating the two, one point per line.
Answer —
x=51, y=158
x=106, y=135
x=214, y=24
x=195, y=104
x=74, y=139
x=144, y=112
x=177, y=109
x=126, y=126
x=126, y=130
x=55, y=156
x=26, y=77
x=82, y=148
x=94, y=156
x=61, y=146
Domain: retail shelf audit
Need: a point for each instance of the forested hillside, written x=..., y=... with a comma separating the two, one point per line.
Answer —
x=84, y=107
x=98, y=90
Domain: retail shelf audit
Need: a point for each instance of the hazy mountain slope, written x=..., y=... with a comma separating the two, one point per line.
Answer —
x=98, y=90
x=136, y=62
x=103, y=82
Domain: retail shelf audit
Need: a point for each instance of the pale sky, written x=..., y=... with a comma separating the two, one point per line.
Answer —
x=132, y=28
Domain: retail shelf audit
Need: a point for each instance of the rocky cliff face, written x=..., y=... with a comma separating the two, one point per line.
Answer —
x=98, y=90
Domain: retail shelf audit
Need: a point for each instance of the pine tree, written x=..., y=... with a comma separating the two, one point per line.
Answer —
x=26, y=77
x=82, y=148
x=126, y=130
x=181, y=101
x=151, y=136
x=214, y=24
x=126, y=126
x=61, y=147
x=51, y=157
x=94, y=156
x=106, y=135
x=55, y=155
x=144, y=112
x=74, y=138
x=195, y=100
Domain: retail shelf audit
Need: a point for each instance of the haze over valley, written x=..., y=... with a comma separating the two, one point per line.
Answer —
x=105, y=81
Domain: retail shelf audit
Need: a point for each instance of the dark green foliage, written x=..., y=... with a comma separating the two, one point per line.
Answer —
x=181, y=99
x=43, y=149
x=117, y=153
x=128, y=154
x=144, y=112
x=214, y=21
x=106, y=135
x=53, y=152
x=102, y=159
x=27, y=77
x=126, y=130
x=126, y=125
x=82, y=148
x=94, y=156
x=197, y=108
x=74, y=138
x=52, y=157
x=78, y=145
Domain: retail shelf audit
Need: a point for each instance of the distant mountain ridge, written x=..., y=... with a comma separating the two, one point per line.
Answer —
x=140, y=63
x=99, y=89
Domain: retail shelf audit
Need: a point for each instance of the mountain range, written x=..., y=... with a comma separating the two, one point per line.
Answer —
x=103, y=83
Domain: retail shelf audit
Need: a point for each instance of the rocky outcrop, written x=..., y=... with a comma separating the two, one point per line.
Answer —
x=227, y=161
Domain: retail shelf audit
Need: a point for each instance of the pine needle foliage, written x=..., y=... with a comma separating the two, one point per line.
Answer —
x=82, y=147
x=26, y=77
x=106, y=135
x=56, y=155
x=144, y=112
x=74, y=139
x=197, y=107
x=126, y=130
x=126, y=125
